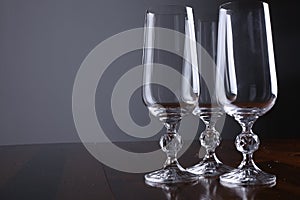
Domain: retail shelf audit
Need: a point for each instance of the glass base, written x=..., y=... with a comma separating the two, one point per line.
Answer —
x=247, y=176
x=210, y=168
x=171, y=174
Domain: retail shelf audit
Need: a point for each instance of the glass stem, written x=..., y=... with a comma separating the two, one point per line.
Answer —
x=247, y=161
x=210, y=139
x=171, y=143
x=210, y=155
x=247, y=142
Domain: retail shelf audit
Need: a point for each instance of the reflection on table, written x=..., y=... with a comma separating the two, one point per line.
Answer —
x=69, y=171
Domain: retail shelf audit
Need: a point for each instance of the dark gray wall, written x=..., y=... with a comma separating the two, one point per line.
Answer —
x=43, y=42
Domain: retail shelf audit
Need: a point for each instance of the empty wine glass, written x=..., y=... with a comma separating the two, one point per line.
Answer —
x=247, y=83
x=208, y=110
x=170, y=81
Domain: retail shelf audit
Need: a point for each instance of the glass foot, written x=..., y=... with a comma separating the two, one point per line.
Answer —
x=171, y=174
x=209, y=168
x=247, y=176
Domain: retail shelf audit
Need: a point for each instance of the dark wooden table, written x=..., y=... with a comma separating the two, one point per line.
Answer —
x=69, y=171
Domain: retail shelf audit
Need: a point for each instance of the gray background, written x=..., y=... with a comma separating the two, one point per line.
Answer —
x=43, y=42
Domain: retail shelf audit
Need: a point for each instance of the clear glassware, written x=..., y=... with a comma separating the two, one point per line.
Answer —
x=208, y=110
x=170, y=81
x=246, y=83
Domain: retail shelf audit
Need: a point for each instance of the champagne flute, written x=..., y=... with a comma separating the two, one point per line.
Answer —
x=170, y=81
x=247, y=83
x=208, y=110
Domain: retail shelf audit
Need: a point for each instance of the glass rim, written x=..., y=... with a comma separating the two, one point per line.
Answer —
x=168, y=9
x=228, y=5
